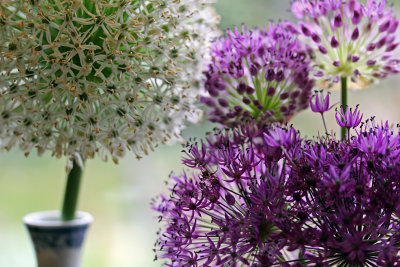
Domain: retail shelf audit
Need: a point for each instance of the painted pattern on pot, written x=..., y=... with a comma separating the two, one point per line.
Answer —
x=57, y=243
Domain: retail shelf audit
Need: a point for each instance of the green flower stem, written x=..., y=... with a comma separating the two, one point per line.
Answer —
x=323, y=120
x=343, y=81
x=71, y=193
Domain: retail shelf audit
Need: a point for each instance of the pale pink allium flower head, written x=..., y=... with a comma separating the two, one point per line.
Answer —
x=349, y=38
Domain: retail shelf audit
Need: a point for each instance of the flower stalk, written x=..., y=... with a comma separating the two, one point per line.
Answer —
x=71, y=192
x=343, y=93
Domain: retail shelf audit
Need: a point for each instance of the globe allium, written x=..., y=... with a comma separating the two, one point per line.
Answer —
x=260, y=73
x=347, y=193
x=266, y=197
x=349, y=38
x=100, y=77
x=232, y=210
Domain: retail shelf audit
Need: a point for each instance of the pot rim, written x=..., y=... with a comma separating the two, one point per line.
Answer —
x=51, y=219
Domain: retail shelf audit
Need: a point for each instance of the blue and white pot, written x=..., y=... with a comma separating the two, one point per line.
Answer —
x=57, y=243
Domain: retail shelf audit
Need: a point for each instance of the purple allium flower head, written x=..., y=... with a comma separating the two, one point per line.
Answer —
x=348, y=118
x=258, y=69
x=349, y=198
x=349, y=30
x=230, y=212
x=252, y=200
x=320, y=103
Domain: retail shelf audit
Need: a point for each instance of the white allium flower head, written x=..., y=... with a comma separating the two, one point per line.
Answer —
x=100, y=77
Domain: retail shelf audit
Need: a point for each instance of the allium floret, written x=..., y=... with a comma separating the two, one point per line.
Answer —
x=260, y=74
x=320, y=103
x=347, y=118
x=100, y=77
x=282, y=137
x=349, y=38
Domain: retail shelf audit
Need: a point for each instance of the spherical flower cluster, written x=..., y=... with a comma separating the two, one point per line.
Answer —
x=347, y=198
x=260, y=73
x=266, y=197
x=349, y=38
x=100, y=77
x=231, y=211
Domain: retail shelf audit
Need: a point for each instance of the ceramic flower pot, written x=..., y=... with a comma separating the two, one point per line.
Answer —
x=57, y=243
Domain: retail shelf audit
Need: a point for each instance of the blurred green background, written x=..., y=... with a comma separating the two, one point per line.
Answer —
x=118, y=196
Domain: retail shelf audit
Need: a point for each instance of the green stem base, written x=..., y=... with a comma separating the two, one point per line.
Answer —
x=71, y=193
